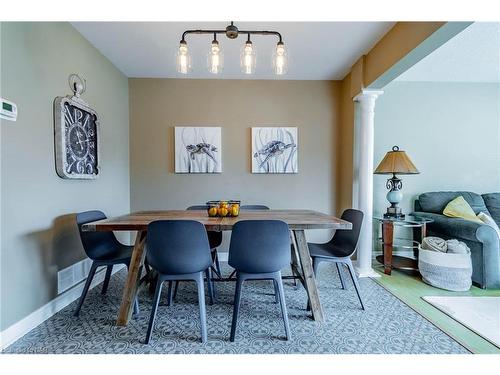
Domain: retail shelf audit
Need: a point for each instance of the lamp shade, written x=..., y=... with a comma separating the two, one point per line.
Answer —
x=396, y=161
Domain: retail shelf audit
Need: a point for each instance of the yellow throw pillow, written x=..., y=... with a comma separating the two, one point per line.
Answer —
x=459, y=207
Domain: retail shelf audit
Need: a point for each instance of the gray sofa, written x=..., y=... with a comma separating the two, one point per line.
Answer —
x=482, y=239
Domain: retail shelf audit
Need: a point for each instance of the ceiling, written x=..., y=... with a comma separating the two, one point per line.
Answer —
x=317, y=50
x=471, y=56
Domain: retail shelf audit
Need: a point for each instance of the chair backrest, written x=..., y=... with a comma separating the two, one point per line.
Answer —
x=178, y=247
x=214, y=238
x=259, y=246
x=347, y=240
x=197, y=207
x=254, y=207
x=96, y=244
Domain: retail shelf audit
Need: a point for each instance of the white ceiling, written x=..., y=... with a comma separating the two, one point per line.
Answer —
x=317, y=50
x=471, y=56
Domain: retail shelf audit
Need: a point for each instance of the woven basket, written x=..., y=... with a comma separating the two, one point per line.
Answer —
x=445, y=270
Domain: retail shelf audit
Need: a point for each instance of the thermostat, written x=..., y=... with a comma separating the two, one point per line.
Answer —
x=8, y=110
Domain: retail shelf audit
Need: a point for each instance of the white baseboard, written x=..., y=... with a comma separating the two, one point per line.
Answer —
x=22, y=327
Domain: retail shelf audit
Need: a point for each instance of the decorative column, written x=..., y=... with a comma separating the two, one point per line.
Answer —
x=364, y=141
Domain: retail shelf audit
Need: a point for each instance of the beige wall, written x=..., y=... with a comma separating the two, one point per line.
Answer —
x=157, y=105
x=38, y=229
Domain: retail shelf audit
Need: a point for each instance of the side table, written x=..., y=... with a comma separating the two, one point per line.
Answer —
x=419, y=225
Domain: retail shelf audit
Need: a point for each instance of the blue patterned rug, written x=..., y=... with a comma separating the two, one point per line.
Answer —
x=387, y=325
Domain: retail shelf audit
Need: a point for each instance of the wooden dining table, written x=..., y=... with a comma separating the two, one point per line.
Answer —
x=297, y=220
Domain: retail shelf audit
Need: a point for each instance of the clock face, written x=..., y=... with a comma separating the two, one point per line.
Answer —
x=76, y=128
x=80, y=130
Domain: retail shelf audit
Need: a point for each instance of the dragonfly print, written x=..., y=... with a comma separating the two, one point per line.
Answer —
x=274, y=150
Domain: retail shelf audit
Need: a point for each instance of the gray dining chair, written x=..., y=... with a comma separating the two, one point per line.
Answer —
x=340, y=249
x=179, y=250
x=251, y=207
x=259, y=249
x=104, y=250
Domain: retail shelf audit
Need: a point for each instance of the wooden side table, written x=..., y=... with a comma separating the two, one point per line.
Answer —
x=419, y=226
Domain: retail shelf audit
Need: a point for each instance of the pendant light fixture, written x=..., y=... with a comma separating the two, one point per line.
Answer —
x=248, y=56
x=183, y=59
x=215, y=59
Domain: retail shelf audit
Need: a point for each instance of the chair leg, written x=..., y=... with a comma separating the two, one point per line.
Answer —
x=355, y=281
x=201, y=302
x=284, y=313
x=136, y=306
x=340, y=275
x=93, y=268
x=276, y=297
x=210, y=288
x=176, y=287
x=236, y=306
x=217, y=264
x=170, y=299
x=232, y=274
x=109, y=270
x=154, y=308
x=294, y=278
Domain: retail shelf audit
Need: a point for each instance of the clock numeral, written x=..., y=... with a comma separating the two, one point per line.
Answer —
x=78, y=115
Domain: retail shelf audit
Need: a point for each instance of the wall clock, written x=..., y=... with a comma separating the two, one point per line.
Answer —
x=76, y=128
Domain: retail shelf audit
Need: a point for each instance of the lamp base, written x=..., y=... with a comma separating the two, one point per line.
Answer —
x=394, y=212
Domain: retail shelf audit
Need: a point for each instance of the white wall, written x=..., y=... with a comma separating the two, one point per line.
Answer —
x=451, y=132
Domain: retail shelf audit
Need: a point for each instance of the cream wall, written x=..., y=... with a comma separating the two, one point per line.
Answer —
x=451, y=132
x=157, y=105
x=38, y=232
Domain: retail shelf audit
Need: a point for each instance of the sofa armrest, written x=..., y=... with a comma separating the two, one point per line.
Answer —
x=461, y=228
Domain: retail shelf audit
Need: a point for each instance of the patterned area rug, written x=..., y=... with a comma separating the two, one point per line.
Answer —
x=387, y=325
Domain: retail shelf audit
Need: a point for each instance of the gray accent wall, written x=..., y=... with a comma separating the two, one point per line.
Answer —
x=38, y=233
x=451, y=132
x=158, y=105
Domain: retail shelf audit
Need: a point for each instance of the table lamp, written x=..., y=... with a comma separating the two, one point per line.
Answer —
x=395, y=162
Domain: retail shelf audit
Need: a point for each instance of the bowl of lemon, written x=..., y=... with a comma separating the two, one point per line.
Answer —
x=223, y=208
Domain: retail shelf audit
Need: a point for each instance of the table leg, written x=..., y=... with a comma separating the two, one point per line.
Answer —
x=296, y=267
x=387, y=239
x=134, y=273
x=308, y=274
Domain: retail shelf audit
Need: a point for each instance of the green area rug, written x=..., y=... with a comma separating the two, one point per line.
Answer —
x=410, y=289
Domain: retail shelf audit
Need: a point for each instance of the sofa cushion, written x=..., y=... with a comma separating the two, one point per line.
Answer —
x=492, y=202
x=436, y=201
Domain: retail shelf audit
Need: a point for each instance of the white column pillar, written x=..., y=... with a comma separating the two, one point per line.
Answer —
x=364, y=141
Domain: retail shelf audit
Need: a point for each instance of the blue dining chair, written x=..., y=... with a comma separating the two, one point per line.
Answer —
x=214, y=239
x=259, y=249
x=340, y=249
x=179, y=250
x=250, y=207
x=104, y=250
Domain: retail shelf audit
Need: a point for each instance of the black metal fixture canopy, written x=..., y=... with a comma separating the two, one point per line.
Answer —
x=248, y=56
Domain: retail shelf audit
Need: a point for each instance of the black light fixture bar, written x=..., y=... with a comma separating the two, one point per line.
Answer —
x=247, y=56
x=232, y=32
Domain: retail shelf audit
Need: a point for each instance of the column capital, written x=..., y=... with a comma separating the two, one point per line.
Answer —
x=367, y=95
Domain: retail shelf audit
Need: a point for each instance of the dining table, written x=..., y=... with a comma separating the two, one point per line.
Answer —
x=297, y=220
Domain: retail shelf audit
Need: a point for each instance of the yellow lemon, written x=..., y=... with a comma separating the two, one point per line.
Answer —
x=235, y=210
x=212, y=211
x=223, y=211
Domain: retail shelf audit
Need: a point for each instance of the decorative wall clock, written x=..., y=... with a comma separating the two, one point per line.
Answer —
x=76, y=128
